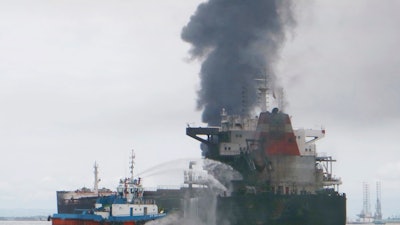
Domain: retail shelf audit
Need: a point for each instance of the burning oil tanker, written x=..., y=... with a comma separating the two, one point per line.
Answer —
x=284, y=181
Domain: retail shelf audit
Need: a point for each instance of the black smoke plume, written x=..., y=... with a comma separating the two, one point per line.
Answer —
x=238, y=41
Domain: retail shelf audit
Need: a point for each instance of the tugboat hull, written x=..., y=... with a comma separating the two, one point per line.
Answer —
x=88, y=222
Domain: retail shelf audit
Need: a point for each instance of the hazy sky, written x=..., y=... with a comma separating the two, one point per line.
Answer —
x=84, y=81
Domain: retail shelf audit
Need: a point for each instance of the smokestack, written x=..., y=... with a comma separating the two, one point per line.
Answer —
x=237, y=41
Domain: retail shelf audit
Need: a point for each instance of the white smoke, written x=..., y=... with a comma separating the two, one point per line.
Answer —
x=221, y=173
x=201, y=208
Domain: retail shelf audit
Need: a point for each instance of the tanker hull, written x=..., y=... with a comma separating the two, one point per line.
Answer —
x=272, y=209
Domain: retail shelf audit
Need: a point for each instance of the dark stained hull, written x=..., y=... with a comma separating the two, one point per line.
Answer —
x=272, y=209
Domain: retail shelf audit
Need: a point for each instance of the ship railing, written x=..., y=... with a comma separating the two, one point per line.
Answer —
x=332, y=181
x=322, y=154
x=163, y=187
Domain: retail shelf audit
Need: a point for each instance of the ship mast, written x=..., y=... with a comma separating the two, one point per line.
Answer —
x=96, y=178
x=263, y=89
x=277, y=94
x=281, y=97
x=263, y=96
x=132, y=163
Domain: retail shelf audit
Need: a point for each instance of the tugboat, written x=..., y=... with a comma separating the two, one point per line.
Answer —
x=126, y=207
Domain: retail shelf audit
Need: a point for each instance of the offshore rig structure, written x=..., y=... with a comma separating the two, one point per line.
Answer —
x=366, y=215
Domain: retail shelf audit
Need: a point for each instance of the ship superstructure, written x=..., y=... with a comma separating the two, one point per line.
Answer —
x=267, y=149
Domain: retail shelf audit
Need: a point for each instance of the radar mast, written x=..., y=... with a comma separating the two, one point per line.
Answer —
x=132, y=163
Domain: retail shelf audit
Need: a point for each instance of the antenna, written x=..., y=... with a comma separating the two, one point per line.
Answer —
x=132, y=163
x=263, y=88
x=96, y=178
x=280, y=96
x=244, y=101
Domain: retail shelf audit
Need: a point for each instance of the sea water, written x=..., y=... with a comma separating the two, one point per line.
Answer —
x=25, y=222
x=49, y=223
